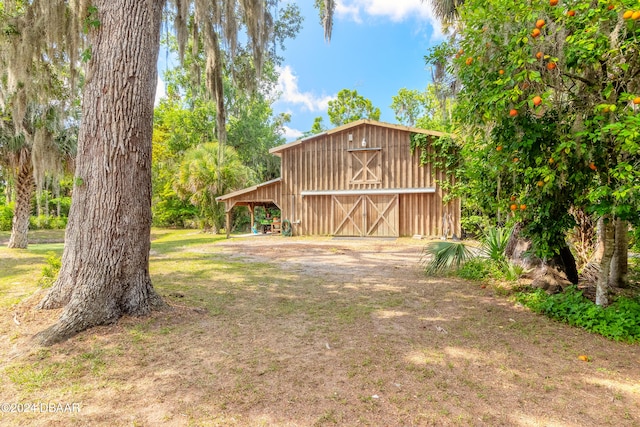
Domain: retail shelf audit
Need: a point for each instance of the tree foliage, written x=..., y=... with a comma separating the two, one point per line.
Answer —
x=350, y=106
x=549, y=112
x=550, y=109
x=197, y=179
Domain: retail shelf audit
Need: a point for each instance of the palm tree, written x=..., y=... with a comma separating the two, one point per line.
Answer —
x=36, y=79
x=446, y=10
x=198, y=182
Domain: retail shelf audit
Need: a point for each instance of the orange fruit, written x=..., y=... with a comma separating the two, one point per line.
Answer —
x=513, y=112
x=499, y=148
x=636, y=100
x=523, y=207
x=540, y=184
x=551, y=160
x=469, y=60
x=513, y=198
x=461, y=51
x=571, y=13
x=535, y=33
x=636, y=15
x=551, y=66
x=628, y=14
x=592, y=166
x=540, y=23
x=537, y=100
x=515, y=159
x=539, y=55
x=610, y=7
x=501, y=72
x=553, y=2
x=583, y=357
x=513, y=207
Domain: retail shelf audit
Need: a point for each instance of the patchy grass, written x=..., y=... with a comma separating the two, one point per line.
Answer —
x=309, y=332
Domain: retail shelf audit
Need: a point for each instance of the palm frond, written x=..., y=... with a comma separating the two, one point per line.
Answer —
x=440, y=256
x=495, y=241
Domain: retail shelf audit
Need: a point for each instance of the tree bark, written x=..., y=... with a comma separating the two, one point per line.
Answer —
x=25, y=186
x=551, y=275
x=608, y=241
x=105, y=264
x=620, y=259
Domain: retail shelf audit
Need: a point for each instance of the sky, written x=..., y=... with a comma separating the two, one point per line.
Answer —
x=377, y=47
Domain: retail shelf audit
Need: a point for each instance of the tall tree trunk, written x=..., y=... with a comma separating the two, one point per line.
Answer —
x=608, y=234
x=25, y=186
x=105, y=265
x=620, y=260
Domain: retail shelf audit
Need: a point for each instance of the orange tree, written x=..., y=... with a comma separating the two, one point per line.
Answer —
x=549, y=113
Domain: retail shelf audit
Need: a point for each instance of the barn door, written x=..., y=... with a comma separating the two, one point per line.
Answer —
x=382, y=217
x=348, y=215
x=366, y=215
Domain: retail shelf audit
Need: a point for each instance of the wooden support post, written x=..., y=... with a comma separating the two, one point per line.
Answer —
x=253, y=217
x=228, y=223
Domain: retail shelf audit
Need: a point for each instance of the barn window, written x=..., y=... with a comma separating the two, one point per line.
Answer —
x=366, y=165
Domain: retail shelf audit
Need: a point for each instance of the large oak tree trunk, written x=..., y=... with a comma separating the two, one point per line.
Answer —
x=105, y=265
x=25, y=186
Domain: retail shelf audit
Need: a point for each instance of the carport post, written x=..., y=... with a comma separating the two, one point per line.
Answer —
x=228, y=223
x=253, y=218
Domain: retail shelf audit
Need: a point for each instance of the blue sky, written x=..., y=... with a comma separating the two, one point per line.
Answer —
x=377, y=47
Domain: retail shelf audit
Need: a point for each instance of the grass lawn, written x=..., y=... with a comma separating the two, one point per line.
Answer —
x=274, y=331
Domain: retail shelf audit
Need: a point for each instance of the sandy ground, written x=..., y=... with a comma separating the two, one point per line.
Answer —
x=325, y=332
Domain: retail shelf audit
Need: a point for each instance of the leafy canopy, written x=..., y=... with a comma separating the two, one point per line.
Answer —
x=547, y=111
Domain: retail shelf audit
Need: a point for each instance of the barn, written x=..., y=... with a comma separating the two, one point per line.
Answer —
x=360, y=179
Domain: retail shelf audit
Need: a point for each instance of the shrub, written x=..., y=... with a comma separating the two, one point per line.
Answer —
x=50, y=271
x=476, y=269
x=6, y=217
x=620, y=321
x=43, y=222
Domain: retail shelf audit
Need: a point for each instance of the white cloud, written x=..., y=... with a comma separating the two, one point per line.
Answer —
x=349, y=12
x=291, y=133
x=160, y=91
x=290, y=93
x=396, y=10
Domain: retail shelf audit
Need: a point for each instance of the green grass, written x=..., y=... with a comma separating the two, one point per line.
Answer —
x=268, y=334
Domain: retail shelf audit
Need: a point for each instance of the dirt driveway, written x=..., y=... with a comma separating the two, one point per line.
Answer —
x=433, y=351
x=323, y=332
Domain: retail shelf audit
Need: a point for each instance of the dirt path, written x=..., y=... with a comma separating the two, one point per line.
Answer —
x=301, y=332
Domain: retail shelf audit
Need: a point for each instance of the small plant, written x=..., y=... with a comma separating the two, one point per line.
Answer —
x=489, y=261
x=494, y=242
x=620, y=321
x=476, y=269
x=50, y=270
x=440, y=256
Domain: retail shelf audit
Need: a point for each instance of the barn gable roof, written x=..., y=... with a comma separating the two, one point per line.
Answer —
x=277, y=150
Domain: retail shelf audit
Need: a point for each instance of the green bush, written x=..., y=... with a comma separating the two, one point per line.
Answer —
x=620, y=321
x=43, y=222
x=476, y=269
x=6, y=217
x=50, y=271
